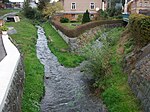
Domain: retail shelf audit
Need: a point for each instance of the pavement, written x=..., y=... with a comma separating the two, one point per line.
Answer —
x=2, y=49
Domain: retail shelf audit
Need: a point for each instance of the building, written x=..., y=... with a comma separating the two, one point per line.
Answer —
x=140, y=6
x=72, y=8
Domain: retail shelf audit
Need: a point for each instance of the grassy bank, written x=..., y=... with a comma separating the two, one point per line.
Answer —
x=33, y=86
x=110, y=80
x=5, y=11
x=60, y=48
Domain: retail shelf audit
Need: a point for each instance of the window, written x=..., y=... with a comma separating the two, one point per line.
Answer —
x=92, y=5
x=146, y=4
x=140, y=4
x=73, y=5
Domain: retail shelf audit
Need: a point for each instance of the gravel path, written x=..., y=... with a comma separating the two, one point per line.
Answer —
x=66, y=89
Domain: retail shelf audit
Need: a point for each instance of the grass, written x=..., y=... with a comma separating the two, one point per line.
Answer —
x=69, y=25
x=33, y=85
x=60, y=48
x=113, y=85
x=117, y=94
x=5, y=11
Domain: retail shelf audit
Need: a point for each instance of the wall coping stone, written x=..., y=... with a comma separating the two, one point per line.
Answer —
x=8, y=67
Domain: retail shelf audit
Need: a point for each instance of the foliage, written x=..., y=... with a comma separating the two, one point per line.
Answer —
x=42, y=4
x=51, y=8
x=79, y=19
x=4, y=28
x=5, y=11
x=103, y=14
x=113, y=84
x=60, y=48
x=86, y=17
x=5, y=1
x=82, y=28
x=97, y=65
x=34, y=70
x=64, y=20
x=139, y=26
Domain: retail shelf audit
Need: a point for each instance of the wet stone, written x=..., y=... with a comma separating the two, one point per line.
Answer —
x=66, y=89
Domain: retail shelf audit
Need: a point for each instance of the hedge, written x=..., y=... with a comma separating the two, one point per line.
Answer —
x=82, y=28
x=139, y=26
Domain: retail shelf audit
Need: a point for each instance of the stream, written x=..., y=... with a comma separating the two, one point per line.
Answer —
x=66, y=89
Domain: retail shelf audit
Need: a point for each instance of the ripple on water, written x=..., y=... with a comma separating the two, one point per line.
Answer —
x=66, y=89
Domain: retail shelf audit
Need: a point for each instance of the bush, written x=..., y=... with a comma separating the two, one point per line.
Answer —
x=139, y=25
x=64, y=20
x=3, y=28
x=98, y=61
x=82, y=28
x=79, y=19
x=86, y=17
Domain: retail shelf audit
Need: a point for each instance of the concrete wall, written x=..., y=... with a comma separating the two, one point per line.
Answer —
x=11, y=78
x=137, y=65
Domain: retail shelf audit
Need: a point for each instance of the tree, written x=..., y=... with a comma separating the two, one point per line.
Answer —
x=5, y=1
x=51, y=9
x=86, y=17
x=42, y=4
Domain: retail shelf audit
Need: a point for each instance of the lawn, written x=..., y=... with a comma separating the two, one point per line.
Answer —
x=60, y=48
x=5, y=11
x=33, y=85
x=72, y=25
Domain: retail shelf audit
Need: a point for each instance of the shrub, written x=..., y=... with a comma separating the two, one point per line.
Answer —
x=82, y=28
x=64, y=20
x=139, y=25
x=86, y=17
x=98, y=61
x=3, y=28
x=79, y=19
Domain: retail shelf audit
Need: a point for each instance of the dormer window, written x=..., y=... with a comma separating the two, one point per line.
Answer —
x=92, y=5
x=73, y=5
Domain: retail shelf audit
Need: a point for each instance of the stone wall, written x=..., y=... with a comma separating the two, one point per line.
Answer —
x=138, y=67
x=87, y=36
x=14, y=96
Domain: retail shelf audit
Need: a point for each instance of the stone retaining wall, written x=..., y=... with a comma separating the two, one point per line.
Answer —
x=138, y=67
x=87, y=36
x=11, y=78
x=14, y=97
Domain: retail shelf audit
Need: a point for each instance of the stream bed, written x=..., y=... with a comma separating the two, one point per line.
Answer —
x=66, y=89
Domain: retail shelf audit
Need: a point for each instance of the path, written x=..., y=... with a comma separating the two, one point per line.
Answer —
x=2, y=49
x=66, y=89
x=8, y=14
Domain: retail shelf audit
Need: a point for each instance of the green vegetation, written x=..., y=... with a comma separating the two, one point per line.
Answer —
x=5, y=11
x=33, y=86
x=139, y=26
x=64, y=20
x=72, y=25
x=106, y=66
x=60, y=48
x=3, y=28
x=86, y=17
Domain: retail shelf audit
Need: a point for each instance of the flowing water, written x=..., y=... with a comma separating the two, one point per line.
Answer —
x=66, y=89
